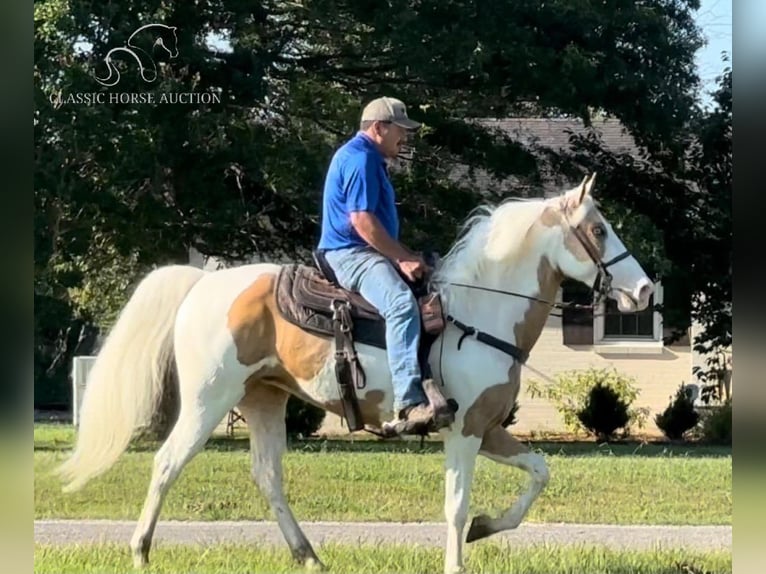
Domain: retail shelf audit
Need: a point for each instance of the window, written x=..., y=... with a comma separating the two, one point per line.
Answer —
x=616, y=332
x=619, y=325
x=608, y=329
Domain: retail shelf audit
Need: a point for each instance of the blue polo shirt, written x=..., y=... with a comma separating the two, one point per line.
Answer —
x=357, y=180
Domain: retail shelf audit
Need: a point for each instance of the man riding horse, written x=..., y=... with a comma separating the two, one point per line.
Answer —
x=360, y=242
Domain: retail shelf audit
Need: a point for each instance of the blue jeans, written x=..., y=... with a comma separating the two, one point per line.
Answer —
x=367, y=272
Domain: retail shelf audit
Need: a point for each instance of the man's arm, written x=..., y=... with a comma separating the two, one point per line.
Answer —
x=372, y=231
x=362, y=195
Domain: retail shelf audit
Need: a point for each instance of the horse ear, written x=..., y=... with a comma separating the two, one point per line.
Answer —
x=585, y=187
x=577, y=194
x=589, y=185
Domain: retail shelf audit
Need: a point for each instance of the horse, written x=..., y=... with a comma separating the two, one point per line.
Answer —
x=231, y=347
x=163, y=36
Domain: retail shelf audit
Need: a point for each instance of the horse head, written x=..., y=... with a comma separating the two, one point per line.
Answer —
x=530, y=246
x=588, y=250
x=168, y=40
x=158, y=35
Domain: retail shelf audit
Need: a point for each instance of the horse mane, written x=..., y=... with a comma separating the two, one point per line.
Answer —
x=489, y=233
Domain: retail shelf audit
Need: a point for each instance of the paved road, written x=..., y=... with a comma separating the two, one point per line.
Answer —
x=426, y=534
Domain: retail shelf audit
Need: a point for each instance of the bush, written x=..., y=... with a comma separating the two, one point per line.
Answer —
x=679, y=416
x=716, y=425
x=301, y=418
x=604, y=412
x=571, y=390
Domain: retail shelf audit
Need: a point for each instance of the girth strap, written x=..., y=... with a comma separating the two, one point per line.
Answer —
x=509, y=349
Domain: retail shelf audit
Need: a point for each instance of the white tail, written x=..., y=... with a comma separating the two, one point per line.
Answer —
x=125, y=384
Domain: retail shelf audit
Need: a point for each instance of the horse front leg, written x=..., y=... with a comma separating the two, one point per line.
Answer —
x=460, y=462
x=498, y=445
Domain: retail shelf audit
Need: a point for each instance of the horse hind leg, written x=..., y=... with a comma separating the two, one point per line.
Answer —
x=498, y=445
x=202, y=408
x=263, y=407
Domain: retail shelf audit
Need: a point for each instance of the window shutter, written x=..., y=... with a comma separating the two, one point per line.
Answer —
x=577, y=324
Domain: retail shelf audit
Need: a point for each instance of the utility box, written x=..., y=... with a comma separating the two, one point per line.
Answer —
x=81, y=367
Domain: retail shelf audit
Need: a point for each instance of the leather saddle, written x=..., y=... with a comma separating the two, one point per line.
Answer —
x=308, y=296
x=311, y=298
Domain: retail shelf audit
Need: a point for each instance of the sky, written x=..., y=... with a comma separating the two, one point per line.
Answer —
x=714, y=17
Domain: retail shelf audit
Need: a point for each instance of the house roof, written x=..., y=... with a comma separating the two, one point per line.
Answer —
x=543, y=134
x=553, y=133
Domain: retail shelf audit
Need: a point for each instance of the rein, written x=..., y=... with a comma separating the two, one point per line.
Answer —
x=563, y=305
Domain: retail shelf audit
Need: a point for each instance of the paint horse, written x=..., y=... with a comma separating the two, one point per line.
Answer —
x=232, y=347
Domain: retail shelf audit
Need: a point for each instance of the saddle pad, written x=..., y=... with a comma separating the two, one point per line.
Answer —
x=304, y=298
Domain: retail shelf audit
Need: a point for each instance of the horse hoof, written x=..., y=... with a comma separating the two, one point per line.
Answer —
x=140, y=561
x=314, y=565
x=480, y=528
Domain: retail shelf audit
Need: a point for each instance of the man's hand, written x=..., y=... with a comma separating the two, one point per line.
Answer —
x=370, y=229
x=413, y=267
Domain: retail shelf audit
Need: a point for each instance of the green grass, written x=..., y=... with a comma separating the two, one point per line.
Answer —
x=399, y=481
x=489, y=557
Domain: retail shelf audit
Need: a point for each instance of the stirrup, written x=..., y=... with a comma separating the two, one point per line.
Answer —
x=444, y=410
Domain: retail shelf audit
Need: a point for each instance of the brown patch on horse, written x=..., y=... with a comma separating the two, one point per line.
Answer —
x=493, y=405
x=260, y=397
x=528, y=330
x=573, y=244
x=370, y=406
x=260, y=332
x=499, y=442
x=551, y=217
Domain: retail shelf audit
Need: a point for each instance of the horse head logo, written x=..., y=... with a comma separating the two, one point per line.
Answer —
x=161, y=35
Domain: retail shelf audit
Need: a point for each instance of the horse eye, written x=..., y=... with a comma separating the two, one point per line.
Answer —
x=598, y=230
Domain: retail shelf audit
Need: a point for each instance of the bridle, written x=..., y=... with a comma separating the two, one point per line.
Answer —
x=603, y=282
x=601, y=287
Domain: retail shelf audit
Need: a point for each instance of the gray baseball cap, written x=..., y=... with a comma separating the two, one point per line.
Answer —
x=389, y=110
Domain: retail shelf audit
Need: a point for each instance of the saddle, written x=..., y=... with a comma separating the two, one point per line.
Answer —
x=311, y=298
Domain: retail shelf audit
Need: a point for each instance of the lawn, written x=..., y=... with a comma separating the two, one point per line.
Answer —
x=400, y=481
x=489, y=557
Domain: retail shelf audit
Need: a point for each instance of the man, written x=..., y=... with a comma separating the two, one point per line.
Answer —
x=360, y=230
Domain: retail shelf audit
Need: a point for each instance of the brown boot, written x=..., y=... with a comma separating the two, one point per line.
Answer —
x=413, y=419
x=417, y=414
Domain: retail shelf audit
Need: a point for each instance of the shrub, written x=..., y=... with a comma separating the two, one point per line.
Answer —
x=571, y=389
x=716, y=424
x=679, y=416
x=604, y=412
x=301, y=418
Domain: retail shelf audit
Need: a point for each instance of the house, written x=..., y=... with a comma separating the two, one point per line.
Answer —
x=630, y=343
